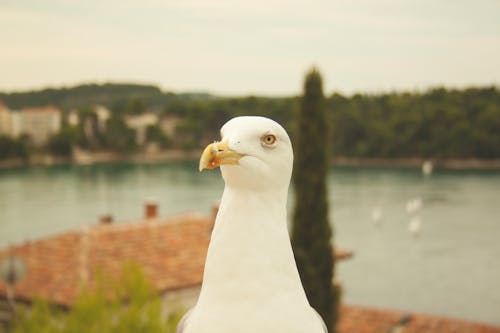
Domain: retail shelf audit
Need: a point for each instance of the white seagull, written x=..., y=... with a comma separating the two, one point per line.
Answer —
x=251, y=283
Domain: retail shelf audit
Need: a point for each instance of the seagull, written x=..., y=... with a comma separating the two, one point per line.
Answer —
x=376, y=215
x=251, y=283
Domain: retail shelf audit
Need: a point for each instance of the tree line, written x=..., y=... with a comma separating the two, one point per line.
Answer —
x=437, y=123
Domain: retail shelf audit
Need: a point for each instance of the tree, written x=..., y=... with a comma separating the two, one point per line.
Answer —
x=311, y=234
x=61, y=144
x=11, y=148
x=118, y=136
x=134, y=106
x=154, y=133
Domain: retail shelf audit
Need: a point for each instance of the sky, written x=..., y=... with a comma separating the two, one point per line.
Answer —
x=242, y=47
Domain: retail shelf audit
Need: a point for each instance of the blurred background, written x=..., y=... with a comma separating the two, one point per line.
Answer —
x=106, y=105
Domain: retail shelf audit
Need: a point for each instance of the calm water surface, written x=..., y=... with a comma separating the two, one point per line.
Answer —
x=452, y=268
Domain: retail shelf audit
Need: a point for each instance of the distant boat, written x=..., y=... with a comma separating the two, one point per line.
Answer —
x=414, y=226
x=414, y=205
x=427, y=168
x=376, y=215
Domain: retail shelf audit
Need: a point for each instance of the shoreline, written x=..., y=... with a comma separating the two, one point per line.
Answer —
x=416, y=162
x=176, y=155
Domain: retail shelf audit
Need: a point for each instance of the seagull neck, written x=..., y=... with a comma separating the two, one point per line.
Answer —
x=251, y=211
x=250, y=247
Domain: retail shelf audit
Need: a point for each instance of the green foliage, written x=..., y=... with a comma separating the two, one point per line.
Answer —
x=437, y=124
x=154, y=133
x=83, y=95
x=311, y=231
x=115, y=306
x=118, y=136
x=134, y=106
x=88, y=134
x=203, y=118
x=61, y=144
x=12, y=148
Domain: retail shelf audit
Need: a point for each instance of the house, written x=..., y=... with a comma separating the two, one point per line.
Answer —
x=39, y=123
x=72, y=118
x=171, y=252
x=103, y=114
x=169, y=123
x=5, y=120
x=140, y=124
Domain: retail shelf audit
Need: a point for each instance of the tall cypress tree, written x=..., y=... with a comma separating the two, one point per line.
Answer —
x=311, y=232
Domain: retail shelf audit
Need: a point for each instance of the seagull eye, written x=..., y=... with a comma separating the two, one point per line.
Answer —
x=268, y=140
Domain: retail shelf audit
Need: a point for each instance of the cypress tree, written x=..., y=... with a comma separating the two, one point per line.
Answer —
x=311, y=231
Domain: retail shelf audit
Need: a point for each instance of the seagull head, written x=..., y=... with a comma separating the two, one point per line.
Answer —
x=253, y=153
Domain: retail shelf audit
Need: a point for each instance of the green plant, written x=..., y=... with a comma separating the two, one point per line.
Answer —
x=311, y=234
x=125, y=305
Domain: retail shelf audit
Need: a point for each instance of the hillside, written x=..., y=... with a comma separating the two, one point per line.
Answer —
x=81, y=96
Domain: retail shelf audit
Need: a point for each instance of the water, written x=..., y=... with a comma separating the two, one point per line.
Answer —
x=451, y=269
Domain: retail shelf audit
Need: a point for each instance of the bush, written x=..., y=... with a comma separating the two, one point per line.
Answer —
x=11, y=148
x=128, y=305
x=61, y=144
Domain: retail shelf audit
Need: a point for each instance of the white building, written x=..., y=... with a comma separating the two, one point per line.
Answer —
x=168, y=124
x=73, y=118
x=140, y=123
x=39, y=123
x=5, y=120
x=103, y=114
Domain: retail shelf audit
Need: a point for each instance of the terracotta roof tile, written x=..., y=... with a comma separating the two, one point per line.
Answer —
x=358, y=319
x=171, y=252
x=38, y=109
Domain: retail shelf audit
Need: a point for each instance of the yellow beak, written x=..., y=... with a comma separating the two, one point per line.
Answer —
x=218, y=153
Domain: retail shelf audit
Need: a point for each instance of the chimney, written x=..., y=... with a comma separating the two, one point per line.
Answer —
x=105, y=219
x=150, y=209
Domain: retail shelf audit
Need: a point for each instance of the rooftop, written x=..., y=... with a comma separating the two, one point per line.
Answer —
x=171, y=252
x=359, y=319
x=41, y=109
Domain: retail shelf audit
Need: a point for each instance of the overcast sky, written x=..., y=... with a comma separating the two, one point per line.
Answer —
x=250, y=46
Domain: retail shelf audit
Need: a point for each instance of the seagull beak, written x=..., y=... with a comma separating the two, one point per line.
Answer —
x=218, y=153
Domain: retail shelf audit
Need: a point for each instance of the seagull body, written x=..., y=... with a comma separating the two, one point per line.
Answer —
x=251, y=283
